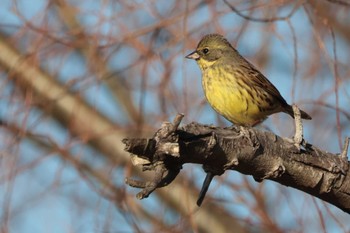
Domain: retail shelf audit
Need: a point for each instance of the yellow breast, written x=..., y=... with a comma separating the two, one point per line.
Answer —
x=229, y=96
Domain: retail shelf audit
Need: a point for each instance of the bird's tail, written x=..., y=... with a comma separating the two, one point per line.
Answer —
x=289, y=109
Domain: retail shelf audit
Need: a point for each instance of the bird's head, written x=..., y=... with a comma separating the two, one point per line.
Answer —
x=210, y=49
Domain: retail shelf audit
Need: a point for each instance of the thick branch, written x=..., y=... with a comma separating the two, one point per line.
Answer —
x=263, y=155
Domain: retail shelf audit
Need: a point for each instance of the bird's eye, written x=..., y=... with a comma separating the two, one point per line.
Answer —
x=206, y=50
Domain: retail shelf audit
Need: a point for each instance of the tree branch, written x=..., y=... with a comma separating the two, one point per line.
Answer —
x=261, y=154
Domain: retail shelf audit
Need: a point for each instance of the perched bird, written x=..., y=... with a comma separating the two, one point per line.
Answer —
x=234, y=87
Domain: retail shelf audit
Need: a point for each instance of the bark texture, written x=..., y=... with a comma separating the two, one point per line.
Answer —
x=260, y=154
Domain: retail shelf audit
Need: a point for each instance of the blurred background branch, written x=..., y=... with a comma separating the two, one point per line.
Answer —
x=77, y=77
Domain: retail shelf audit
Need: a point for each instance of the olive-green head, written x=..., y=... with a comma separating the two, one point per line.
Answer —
x=211, y=48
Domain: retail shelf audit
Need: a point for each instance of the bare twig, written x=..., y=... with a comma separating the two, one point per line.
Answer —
x=298, y=137
x=344, y=153
x=208, y=178
x=262, y=20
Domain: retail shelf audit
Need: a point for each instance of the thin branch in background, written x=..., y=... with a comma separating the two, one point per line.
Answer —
x=295, y=60
x=336, y=87
x=340, y=2
x=320, y=215
x=263, y=20
x=327, y=105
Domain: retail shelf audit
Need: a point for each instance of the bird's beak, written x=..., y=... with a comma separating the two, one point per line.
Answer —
x=194, y=55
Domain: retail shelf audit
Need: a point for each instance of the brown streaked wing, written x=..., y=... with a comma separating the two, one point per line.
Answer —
x=259, y=80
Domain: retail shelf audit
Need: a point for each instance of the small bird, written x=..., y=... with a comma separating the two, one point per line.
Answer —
x=234, y=87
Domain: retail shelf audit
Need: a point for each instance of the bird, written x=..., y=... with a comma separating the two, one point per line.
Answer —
x=234, y=87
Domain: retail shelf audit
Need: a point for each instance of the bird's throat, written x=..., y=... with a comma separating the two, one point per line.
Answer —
x=204, y=64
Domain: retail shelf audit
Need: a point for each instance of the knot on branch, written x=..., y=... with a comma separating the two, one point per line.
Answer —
x=159, y=154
